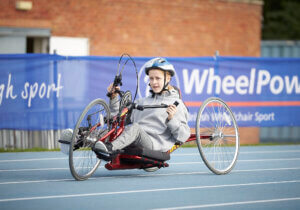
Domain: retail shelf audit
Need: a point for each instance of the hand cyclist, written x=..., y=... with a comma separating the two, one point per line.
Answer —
x=152, y=129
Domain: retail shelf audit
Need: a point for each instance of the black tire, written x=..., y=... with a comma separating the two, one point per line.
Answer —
x=126, y=98
x=83, y=162
x=217, y=136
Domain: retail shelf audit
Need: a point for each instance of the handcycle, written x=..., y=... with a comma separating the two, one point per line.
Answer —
x=216, y=135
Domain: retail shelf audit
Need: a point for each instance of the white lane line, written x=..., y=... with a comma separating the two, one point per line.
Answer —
x=270, y=151
x=231, y=203
x=146, y=191
x=32, y=169
x=184, y=154
x=37, y=181
x=147, y=175
x=35, y=159
x=176, y=163
x=254, y=160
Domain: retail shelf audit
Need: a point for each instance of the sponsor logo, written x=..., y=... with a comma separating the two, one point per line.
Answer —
x=258, y=81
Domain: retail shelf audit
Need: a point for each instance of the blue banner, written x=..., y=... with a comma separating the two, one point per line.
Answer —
x=41, y=92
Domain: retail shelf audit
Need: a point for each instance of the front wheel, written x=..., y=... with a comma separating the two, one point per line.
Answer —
x=92, y=123
x=217, y=136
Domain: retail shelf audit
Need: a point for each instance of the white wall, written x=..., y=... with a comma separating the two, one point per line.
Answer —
x=69, y=46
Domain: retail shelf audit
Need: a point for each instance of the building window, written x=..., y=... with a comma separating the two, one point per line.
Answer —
x=37, y=45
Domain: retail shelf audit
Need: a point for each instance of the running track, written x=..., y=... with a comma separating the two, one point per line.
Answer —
x=266, y=177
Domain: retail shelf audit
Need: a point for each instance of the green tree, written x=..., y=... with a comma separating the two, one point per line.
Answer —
x=281, y=20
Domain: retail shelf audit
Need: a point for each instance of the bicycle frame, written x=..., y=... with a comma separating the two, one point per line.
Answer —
x=137, y=162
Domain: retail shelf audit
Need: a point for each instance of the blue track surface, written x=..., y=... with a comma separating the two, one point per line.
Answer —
x=264, y=178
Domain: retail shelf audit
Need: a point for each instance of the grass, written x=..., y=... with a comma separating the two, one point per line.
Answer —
x=29, y=150
x=273, y=144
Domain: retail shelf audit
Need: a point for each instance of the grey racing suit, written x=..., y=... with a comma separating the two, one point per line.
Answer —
x=150, y=128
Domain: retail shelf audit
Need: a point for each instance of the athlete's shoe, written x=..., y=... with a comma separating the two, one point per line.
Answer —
x=65, y=140
x=103, y=150
x=96, y=134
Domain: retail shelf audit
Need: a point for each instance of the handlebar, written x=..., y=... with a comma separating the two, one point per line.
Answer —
x=117, y=82
x=142, y=107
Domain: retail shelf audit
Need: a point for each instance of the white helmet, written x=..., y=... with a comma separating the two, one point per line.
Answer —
x=159, y=63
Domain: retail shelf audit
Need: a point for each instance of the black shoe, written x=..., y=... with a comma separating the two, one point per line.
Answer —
x=103, y=150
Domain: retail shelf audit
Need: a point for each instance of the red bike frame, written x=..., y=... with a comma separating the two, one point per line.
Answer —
x=136, y=162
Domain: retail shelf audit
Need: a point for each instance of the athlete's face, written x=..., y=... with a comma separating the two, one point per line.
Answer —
x=156, y=78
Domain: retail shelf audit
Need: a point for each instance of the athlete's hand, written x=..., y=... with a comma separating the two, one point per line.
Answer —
x=171, y=110
x=113, y=90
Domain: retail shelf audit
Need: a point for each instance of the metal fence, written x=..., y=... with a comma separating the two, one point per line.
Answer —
x=24, y=139
x=21, y=139
x=280, y=49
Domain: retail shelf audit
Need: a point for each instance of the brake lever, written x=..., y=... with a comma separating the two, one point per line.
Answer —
x=117, y=82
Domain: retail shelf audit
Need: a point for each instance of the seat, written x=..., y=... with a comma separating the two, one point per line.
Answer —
x=142, y=152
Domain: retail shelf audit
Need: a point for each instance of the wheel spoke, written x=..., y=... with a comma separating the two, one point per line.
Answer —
x=220, y=152
x=83, y=161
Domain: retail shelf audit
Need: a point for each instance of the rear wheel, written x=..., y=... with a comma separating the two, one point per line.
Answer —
x=217, y=136
x=92, y=123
